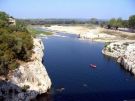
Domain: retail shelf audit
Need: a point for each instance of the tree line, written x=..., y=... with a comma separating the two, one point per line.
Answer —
x=112, y=23
x=116, y=23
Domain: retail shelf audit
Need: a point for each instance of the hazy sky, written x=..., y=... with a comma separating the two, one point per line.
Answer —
x=103, y=9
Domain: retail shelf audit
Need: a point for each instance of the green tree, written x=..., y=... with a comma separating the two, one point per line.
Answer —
x=3, y=16
x=112, y=22
x=125, y=24
x=119, y=22
x=131, y=21
x=3, y=19
x=15, y=44
x=116, y=23
x=94, y=21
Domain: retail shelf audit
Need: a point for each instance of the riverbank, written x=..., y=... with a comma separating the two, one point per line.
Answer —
x=95, y=34
x=68, y=29
x=123, y=52
x=29, y=79
x=36, y=31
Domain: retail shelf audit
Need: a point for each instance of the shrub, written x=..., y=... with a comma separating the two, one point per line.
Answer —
x=15, y=45
x=13, y=65
x=109, y=49
x=106, y=44
x=25, y=87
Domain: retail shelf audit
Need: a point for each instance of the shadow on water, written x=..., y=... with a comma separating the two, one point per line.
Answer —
x=44, y=97
x=100, y=96
x=121, y=66
x=107, y=58
x=93, y=96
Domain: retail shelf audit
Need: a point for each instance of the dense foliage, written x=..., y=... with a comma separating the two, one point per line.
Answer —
x=15, y=44
x=132, y=21
x=116, y=23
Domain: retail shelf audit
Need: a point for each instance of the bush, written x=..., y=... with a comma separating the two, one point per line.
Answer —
x=132, y=21
x=106, y=44
x=15, y=45
x=109, y=49
x=25, y=87
x=13, y=65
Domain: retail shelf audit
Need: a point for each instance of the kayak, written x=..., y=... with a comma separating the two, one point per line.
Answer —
x=92, y=65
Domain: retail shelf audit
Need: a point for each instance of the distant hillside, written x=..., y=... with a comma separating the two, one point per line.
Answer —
x=62, y=21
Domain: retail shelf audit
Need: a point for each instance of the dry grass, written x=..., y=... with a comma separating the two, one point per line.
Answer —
x=125, y=35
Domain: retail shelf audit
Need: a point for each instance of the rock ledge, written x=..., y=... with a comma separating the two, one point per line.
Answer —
x=124, y=52
x=29, y=80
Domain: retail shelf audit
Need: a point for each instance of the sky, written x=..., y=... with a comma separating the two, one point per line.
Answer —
x=101, y=9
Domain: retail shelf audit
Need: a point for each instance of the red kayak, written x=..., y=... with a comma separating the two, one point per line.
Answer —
x=92, y=65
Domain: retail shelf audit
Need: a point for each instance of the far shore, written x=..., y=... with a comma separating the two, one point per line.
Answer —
x=96, y=34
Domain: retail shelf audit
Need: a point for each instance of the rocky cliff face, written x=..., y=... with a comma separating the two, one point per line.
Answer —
x=115, y=49
x=30, y=79
x=124, y=52
x=128, y=59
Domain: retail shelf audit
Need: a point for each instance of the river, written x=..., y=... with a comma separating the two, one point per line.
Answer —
x=67, y=60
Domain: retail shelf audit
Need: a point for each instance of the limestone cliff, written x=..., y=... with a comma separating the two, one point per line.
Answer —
x=30, y=79
x=124, y=52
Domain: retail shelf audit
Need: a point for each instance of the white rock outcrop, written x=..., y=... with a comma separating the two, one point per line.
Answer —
x=31, y=76
x=115, y=49
x=124, y=52
x=128, y=60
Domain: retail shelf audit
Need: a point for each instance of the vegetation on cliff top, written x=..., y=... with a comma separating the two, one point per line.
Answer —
x=34, y=31
x=15, y=44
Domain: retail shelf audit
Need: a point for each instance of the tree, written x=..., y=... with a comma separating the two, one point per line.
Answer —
x=94, y=21
x=116, y=23
x=112, y=22
x=15, y=44
x=3, y=19
x=119, y=22
x=125, y=24
x=131, y=21
x=3, y=16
